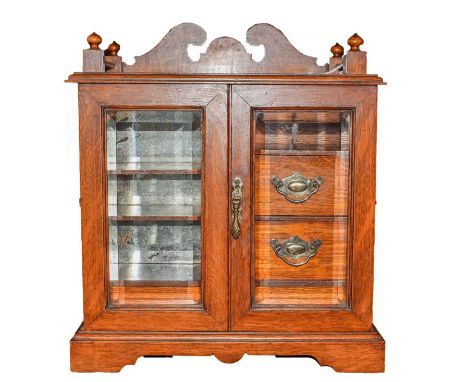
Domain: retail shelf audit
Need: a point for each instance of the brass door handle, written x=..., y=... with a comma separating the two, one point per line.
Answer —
x=295, y=251
x=236, y=207
x=297, y=188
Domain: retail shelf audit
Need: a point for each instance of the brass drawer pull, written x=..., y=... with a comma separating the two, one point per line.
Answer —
x=295, y=251
x=236, y=207
x=297, y=188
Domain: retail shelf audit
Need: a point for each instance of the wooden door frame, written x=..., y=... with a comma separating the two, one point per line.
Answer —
x=363, y=101
x=93, y=98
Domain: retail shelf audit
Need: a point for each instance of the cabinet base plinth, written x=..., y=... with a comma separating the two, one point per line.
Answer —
x=359, y=352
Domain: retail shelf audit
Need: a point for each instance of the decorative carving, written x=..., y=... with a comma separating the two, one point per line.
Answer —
x=112, y=60
x=355, y=61
x=113, y=49
x=355, y=41
x=337, y=50
x=336, y=60
x=224, y=55
x=296, y=188
x=170, y=52
x=94, y=40
x=229, y=356
x=295, y=251
x=280, y=55
x=236, y=207
x=93, y=58
x=344, y=352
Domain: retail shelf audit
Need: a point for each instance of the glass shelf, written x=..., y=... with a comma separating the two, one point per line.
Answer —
x=164, y=272
x=313, y=151
x=162, y=251
x=154, y=168
x=154, y=212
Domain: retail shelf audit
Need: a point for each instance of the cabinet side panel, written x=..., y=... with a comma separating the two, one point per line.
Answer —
x=92, y=206
x=362, y=263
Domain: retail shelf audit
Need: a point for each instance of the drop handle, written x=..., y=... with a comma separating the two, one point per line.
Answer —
x=296, y=188
x=236, y=197
x=295, y=251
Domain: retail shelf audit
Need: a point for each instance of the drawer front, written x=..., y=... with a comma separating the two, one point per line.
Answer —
x=330, y=262
x=331, y=294
x=284, y=278
x=327, y=196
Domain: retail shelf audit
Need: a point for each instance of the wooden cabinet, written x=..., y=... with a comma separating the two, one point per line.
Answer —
x=227, y=204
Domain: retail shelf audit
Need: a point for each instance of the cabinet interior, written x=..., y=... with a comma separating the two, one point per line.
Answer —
x=154, y=206
x=310, y=143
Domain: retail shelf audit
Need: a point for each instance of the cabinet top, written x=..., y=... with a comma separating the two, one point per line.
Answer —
x=225, y=60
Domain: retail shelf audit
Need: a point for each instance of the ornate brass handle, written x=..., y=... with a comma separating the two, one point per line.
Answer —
x=236, y=207
x=297, y=188
x=295, y=251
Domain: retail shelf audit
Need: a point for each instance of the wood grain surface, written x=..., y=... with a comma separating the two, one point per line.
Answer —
x=156, y=297
x=245, y=100
x=212, y=314
x=303, y=295
x=248, y=301
x=225, y=79
x=330, y=199
x=359, y=352
x=224, y=54
x=299, y=130
x=330, y=262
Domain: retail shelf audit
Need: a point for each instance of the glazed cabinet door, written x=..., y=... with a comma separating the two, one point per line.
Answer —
x=154, y=207
x=302, y=205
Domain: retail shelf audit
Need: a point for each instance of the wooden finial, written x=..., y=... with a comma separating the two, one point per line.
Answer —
x=94, y=40
x=337, y=50
x=111, y=58
x=355, y=41
x=113, y=49
x=355, y=61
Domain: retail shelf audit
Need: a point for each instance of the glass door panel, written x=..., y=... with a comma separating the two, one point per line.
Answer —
x=301, y=179
x=154, y=206
x=297, y=132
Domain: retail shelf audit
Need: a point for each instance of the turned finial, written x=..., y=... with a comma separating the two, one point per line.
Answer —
x=113, y=49
x=337, y=50
x=94, y=40
x=355, y=41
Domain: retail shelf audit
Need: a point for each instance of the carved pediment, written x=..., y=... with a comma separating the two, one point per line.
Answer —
x=224, y=55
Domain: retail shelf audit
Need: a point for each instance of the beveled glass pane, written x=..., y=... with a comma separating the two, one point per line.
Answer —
x=301, y=207
x=154, y=206
x=164, y=251
x=165, y=140
x=154, y=195
x=302, y=130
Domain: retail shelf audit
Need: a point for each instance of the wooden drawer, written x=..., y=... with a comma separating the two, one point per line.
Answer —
x=321, y=281
x=329, y=263
x=330, y=294
x=330, y=199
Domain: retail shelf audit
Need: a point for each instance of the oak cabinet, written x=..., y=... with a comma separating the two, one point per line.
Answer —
x=227, y=205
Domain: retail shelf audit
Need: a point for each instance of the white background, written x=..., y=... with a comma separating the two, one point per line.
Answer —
x=420, y=48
